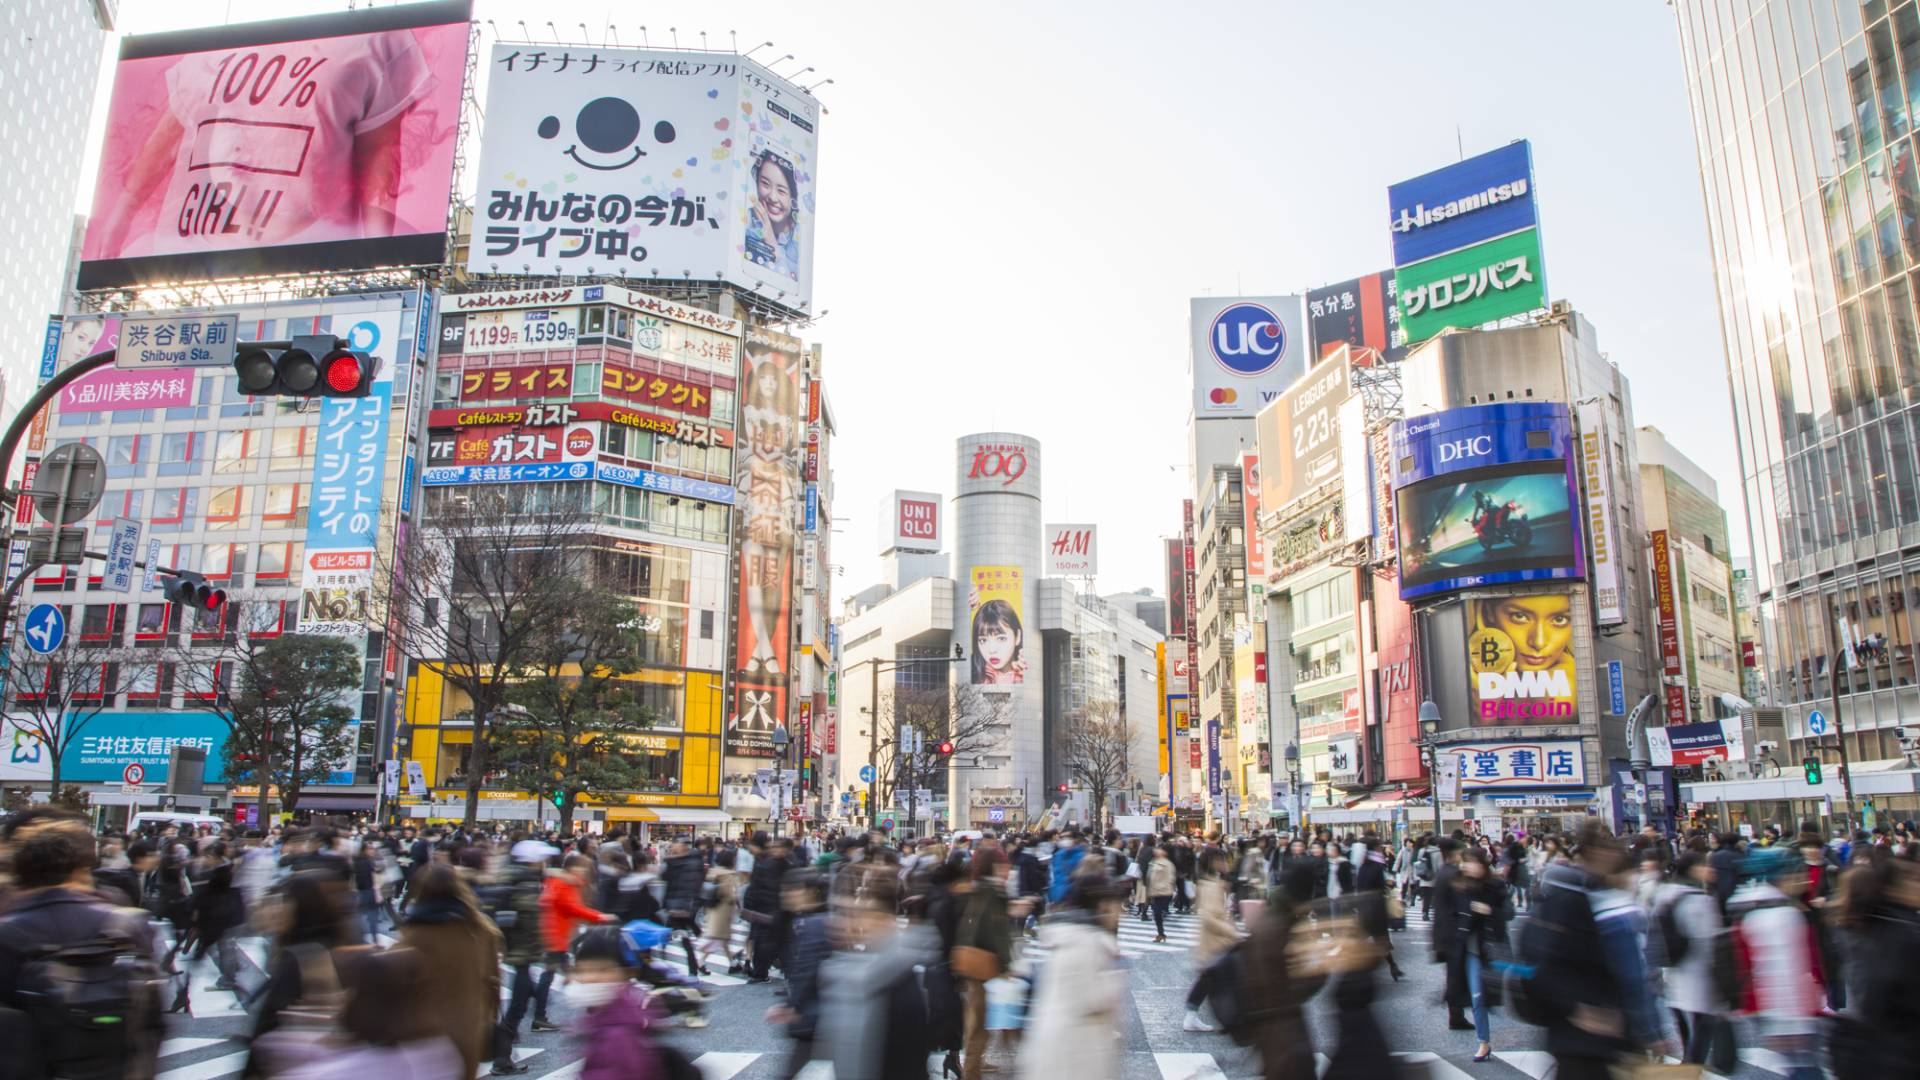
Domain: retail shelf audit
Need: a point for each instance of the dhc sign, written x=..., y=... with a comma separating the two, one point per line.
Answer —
x=1463, y=204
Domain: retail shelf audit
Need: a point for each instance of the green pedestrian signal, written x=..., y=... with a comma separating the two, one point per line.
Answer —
x=1812, y=767
x=559, y=798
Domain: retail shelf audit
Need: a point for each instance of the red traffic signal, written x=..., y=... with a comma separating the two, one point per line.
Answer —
x=309, y=365
x=945, y=748
x=1063, y=789
x=348, y=374
x=192, y=590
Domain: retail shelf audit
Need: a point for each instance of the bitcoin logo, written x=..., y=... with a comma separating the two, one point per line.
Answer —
x=1490, y=650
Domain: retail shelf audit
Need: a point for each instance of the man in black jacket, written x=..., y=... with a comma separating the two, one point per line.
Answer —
x=1725, y=861
x=55, y=908
x=686, y=877
x=760, y=905
x=1445, y=925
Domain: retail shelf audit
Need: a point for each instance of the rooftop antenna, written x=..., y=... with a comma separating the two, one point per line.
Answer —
x=585, y=34
x=614, y=33
x=551, y=29
x=733, y=40
x=703, y=41
x=1459, y=144
x=525, y=34
x=675, y=31
x=643, y=36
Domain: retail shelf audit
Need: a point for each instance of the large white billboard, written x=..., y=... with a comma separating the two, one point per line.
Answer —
x=1072, y=551
x=1245, y=351
x=646, y=163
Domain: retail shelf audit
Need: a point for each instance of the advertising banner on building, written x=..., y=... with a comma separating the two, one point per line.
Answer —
x=1666, y=612
x=1213, y=759
x=1071, y=551
x=1251, y=505
x=1695, y=744
x=996, y=632
x=1343, y=759
x=1484, y=495
x=108, y=390
x=511, y=444
x=1603, y=559
x=1359, y=314
x=553, y=416
x=1190, y=589
x=1298, y=436
x=998, y=464
x=1480, y=284
x=767, y=479
x=1519, y=764
x=1160, y=707
x=1521, y=657
x=1176, y=591
x=1462, y=204
x=1244, y=352
x=288, y=146
x=111, y=741
x=653, y=162
x=1250, y=693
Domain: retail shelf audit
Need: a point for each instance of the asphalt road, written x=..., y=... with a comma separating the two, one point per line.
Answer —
x=738, y=1044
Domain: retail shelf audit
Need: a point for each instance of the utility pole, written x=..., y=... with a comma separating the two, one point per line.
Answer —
x=1839, y=726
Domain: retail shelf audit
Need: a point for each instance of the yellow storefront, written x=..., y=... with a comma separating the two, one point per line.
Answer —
x=682, y=751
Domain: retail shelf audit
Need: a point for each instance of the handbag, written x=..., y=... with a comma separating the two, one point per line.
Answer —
x=969, y=962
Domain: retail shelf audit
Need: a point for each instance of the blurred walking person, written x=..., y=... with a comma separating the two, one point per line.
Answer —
x=1480, y=909
x=1217, y=933
x=1784, y=992
x=982, y=949
x=460, y=950
x=1080, y=990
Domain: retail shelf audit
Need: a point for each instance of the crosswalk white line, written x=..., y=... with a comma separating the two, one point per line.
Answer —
x=1438, y=1068
x=172, y=1047
x=716, y=1065
x=679, y=963
x=203, y=1001
x=567, y=1071
x=1186, y=1066
x=1761, y=1058
x=209, y=1069
x=1535, y=1063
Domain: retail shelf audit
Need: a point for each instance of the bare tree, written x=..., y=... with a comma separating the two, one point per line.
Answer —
x=970, y=722
x=479, y=591
x=573, y=723
x=1096, y=747
x=54, y=696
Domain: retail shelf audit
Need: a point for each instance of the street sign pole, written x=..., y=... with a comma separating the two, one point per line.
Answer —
x=1839, y=725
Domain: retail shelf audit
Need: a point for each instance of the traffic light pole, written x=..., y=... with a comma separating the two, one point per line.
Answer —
x=1839, y=726
x=23, y=421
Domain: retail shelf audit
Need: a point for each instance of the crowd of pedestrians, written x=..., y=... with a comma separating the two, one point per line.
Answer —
x=431, y=953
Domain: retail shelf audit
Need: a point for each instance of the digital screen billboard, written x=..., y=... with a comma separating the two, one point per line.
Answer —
x=1521, y=657
x=678, y=162
x=287, y=146
x=1484, y=495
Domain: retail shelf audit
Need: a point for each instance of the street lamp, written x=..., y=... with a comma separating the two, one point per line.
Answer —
x=1293, y=786
x=1430, y=754
x=781, y=740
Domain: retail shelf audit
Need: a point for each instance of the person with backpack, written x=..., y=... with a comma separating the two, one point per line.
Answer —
x=1426, y=864
x=513, y=900
x=1779, y=957
x=80, y=991
x=1688, y=937
x=1586, y=980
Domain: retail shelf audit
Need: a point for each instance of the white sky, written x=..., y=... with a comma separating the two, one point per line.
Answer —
x=1017, y=201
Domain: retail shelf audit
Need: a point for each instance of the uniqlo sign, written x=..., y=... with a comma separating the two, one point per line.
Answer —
x=911, y=522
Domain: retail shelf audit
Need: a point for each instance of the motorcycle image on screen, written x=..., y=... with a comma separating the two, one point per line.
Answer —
x=1494, y=522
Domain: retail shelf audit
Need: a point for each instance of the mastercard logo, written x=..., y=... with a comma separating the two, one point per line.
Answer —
x=1221, y=395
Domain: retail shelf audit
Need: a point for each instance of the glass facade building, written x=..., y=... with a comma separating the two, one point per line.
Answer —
x=1804, y=117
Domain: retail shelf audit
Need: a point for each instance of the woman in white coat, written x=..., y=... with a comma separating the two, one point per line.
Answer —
x=1077, y=996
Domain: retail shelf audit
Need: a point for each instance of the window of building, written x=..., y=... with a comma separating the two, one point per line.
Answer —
x=150, y=624
x=124, y=456
x=175, y=506
x=276, y=560
x=284, y=503
x=292, y=449
x=232, y=451
x=228, y=507
x=176, y=448
x=151, y=683
x=100, y=624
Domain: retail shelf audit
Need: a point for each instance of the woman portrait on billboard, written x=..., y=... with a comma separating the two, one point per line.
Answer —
x=1539, y=628
x=773, y=214
x=996, y=645
x=769, y=484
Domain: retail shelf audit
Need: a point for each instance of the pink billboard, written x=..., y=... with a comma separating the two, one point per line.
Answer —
x=290, y=146
x=110, y=390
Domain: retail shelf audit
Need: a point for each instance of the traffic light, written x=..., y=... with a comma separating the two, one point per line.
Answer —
x=318, y=365
x=945, y=748
x=1063, y=788
x=559, y=798
x=1811, y=765
x=191, y=590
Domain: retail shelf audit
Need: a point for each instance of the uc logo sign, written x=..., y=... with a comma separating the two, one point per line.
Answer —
x=1247, y=339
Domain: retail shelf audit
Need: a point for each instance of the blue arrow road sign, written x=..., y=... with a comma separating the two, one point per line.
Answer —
x=1816, y=720
x=866, y=772
x=46, y=628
